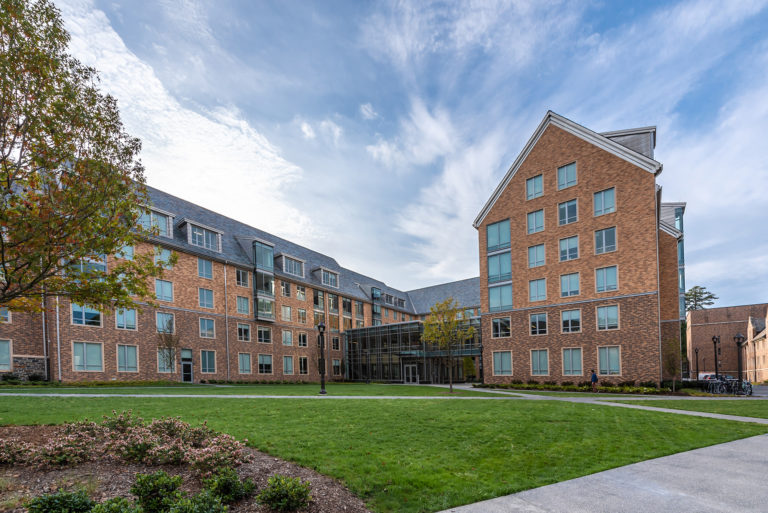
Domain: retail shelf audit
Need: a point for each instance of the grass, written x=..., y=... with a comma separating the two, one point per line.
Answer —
x=357, y=389
x=421, y=455
x=740, y=407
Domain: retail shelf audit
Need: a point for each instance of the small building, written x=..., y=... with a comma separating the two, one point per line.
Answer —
x=756, y=350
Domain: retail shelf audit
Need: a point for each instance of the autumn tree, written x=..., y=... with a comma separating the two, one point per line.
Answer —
x=71, y=182
x=698, y=298
x=445, y=329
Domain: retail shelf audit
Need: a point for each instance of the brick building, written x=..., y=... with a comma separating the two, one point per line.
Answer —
x=580, y=261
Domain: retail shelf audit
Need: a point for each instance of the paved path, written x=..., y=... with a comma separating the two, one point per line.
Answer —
x=245, y=396
x=723, y=478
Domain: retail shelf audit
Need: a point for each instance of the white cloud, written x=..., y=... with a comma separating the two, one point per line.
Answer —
x=331, y=130
x=366, y=109
x=307, y=130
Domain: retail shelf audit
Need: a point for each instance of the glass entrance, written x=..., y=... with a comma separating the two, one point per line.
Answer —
x=186, y=366
x=410, y=374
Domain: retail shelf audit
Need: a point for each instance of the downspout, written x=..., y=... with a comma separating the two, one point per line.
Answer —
x=658, y=283
x=58, y=340
x=226, y=317
x=45, y=344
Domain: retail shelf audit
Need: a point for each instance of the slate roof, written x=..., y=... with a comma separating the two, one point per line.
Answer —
x=642, y=140
x=466, y=292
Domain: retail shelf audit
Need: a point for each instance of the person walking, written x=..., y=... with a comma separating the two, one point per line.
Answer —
x=594, y=381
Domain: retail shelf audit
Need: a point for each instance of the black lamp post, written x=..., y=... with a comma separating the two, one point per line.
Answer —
x=715, y=341
x=482, y=377
x=739, y=339
x=321, y=338
x=697, y=362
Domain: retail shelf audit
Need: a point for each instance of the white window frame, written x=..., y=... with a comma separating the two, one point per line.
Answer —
x=201, y=292
x=9, y=366
x=289, y=337
x=242, y=300
x=493, y=364
x=240, y=363
x=535, y=194
x=288, y=358
x=239, y=273
x=117, y=357
x=327, y=272
x=173, y=322
x=599, y=370
x=538, y=350
x=191, y=236
x=84, y=324
x=200, y=326
x=263, y=329
x=85, y=351
x=201, y=260
x=159, y=281
x=165, y=370
x=135, y=319
x=247, y=328
x=299, y=261
x=202, y=367
x=581, y=361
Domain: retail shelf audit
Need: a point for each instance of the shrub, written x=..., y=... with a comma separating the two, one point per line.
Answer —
x=567, y=383
x=122, y=422
x=648, y=384
x=227, y=486
x=65, y=450
x=203, y=502
x=36, y=376
x=12, y=452
x=156, y=492
x=61, y=502
x=116, y=505
x=285, y=493
x=9, y=376
x=626, y=383
x=219, y=451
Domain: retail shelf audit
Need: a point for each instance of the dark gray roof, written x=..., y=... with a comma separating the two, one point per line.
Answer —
x=641, y=140
x=236, y=243
x=466, y=292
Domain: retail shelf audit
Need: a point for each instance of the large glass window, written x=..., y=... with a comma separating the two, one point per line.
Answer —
x=571, y=321
x=566, y=176
x=264, y=334
x=302, y=342
x=207, y=328
x=243, y=305
x=502, y=363
x=609, y=360
x=242, y=277
x=285, y=288
x=346, y=306
x=287, y=364
x=301, y=315
x=498, y=235
x=499, y=298
x=287, y=338
x=125, y=319
x=266, y=308
x=204, y=238
x=534, y=187
x=536, y=256
x=164, y=322
x=303, y=367
x=605, y=240
x=608, y=317
x=606, y=278
x=293, y=266
x=285, y=313
x=501, y=327
x=5, y=355
x=265, y=284
x=535, y=221
x=330, y=279
x=333, y=302
x=87, y=356
x=265, y=256
x=205, y=297
x=301, y=293
x=243, y=332
x=572, y=362
x=537, y=290
x=265, y=364
x=569, y=285
x=567, y=212
x=539, y=324
x=569, y=248
x=318, y=299
x=149, y=220
x=166, y=360
x=85, y=315
x=499, y=267
x=539, y=362
x=208, y=362
x=204, y=268
x=163, y=290
x=244, y=363
x=605, y=202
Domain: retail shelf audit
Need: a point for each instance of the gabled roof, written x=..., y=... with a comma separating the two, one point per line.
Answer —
x=465, y=292
x=601, y=141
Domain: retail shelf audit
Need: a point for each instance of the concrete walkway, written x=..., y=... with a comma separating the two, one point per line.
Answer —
x=723, y=478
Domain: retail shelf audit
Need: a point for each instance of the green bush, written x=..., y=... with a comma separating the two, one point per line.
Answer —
x=285, y=493
x=61, y=502
x=227, y=486
x=36, y=376
x=156, y=492
x=203, y=502
x=116, y=505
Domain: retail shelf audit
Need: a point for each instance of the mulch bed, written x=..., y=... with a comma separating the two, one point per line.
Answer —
x=106, y=478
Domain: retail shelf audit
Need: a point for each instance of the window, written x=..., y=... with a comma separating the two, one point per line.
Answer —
x=608, y=317
x=265, y=256
x=149, y=220
x=535, y=221
x=567, y=212
x=569, y=285
x=502, y=363
x=569, y=248
x=166, y=360
x=207, y=328
x=498, y=235
x=319, y=317
x=265, y=308
x=85, y=315
x=264, y=334
x=607, y=279
x=301, y=293
x=5, y=355
x=265, y=284
x=285, y=313
x=125, y=319
x=319, y=300
x=204, y=238
x=163, y=257
x=293, y=266
x=5, y=314
x=333, y=302
x=244, y=363
x=534, y=187
x=164, y=322
x=499, y=267
x=204, y=268
x=163, y=290
x=385, y=312
x=287, y=364
x=536, y=256
x=243, y=305
x=335, y=343
x=333, y=322
x=605, y=202
x=330, y=279
x=375, y=293
x=566, y=176
x=501, y=327
x=336, y=367
x=537, y=290
x=539, y=324
x=265, y=364
x=126, y=252
x=346, y=306
x=302, y=339
x=359, y=324
x=609, y=359
x=285, y=288
x=287, y=338
x=539, y=362
x=500, y=297
x=303, y=367
x=571, y=321
x=86, y=357
x=605, y=240
x=347, y=323
x=572, y=362
x=206, y=297
x=243, y=332
x=242, y=277
x=302, y=316
x=208, y=362
x=376, y=309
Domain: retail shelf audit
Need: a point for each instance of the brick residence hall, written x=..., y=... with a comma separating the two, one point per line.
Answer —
x=581, y=267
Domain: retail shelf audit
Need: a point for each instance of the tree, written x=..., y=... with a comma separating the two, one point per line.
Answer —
x=469, y=367
x=168, y=343
x=72, y=186
x=447, y=331
x=670, y=359
x=698, y=298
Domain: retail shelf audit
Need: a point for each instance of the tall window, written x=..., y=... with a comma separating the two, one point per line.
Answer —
x=609, y=360
x=303, y=367
x=502, y=363
x=126, y=359
x=243, y=332
x=207, y=328
x=265, y=284
x=205, y=297
x=287, y=338
x=498, y=235
x=534, y=187
x=163, y=257
x=264, y=334
x=336, y=367
x=359, y=312
x=572, y=362
x=539, y=362
x=265, y=256
x=539, y=324
x=605, y=240
x=346, y=306
x=302, y=339
x=536, y=256
x=243, y=305
x=333, y=302
x=566, y=176
x=608, y=317
x=164, y=322
x=335, y=343
x=125, y=319
x=244, y=363
x=301, y=293
x=85, y=315
x=285, y=288
x=567, y=212
x=204, y=238
x=499, y=267
x=293, y=266
x=208, y=361
x=242, y=277
x=501, y=327
x=330, y=279
x=499, y=297
x=149, y=220
x=319, y=299
x=301, y=316
x=569, y=285
x=265, y=364
x=287, y=364
x=86, y=356
x=5, y=355
x=5, y=314
x=204, y=268
x=605, y=202
x=166, y=360
x=606, y=278
x=571, y=321
x=333, y=322
x=163, y=290
x=535, y=221
x=285, y=313
x=569, y=248
x=537, y=290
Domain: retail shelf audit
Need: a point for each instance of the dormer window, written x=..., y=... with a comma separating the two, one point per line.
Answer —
x=330, y=278
x=293, y=266
x=264, y=255
x=389, y=299
x=150, y=219
x=204, y=238
x=375, y=293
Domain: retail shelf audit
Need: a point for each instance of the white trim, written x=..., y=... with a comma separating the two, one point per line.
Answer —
x=199, y=225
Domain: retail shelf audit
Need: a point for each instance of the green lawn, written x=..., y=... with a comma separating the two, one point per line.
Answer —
x=421, y=455
x=741, y=407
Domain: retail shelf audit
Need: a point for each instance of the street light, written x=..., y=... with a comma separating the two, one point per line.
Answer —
x=739, y=339
x=715, y=342
x=697, y=362
x=321, y=341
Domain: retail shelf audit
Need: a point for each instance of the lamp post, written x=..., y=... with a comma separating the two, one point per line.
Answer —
x=715, y=342
x=696, y=350
x=321, y=339
x=739, y=339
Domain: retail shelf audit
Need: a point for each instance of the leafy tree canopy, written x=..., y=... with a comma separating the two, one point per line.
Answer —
x=698, y=298
x=445, y=329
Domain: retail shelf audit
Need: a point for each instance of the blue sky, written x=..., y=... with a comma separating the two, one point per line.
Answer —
x=375, y=132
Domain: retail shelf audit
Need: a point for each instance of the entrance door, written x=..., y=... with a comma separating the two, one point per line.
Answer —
x=410, y=374
x=186, y=366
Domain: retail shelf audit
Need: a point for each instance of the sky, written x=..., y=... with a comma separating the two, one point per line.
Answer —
x=374, y=132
